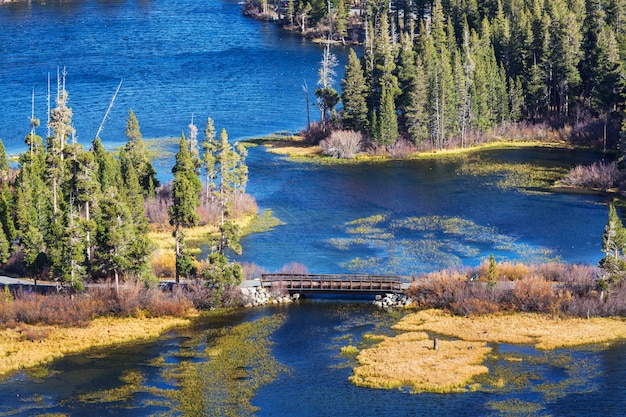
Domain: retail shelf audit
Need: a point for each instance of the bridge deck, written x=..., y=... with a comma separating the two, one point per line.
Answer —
x=334, y=283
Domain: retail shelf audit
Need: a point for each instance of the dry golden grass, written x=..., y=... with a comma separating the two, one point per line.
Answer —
x=194, y=236
x=497, y=144
x=408, y=361
x=18, y=351
x=539, y=330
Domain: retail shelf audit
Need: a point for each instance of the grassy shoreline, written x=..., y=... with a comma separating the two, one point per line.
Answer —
x=27, y=346
x=293, y=147
x=409, y=359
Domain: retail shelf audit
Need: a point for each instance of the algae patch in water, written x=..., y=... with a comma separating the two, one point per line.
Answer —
x=215, y=373
x=414, y=245
x=522, y=176
x=235, y=363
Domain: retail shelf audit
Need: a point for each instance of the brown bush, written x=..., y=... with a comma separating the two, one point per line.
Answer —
x=474, y=306
x=156, y=208
x=201, y=296
x=7, y=313
x=342, y=144
x=293, y=268
x=506, y=271
x=533, y=294
x=401, y=149
x=35, y=334
x=157, y=302
x=64, y=310
x=252, y=271
x=315, y=133
x=438, y=289
x=599, y=175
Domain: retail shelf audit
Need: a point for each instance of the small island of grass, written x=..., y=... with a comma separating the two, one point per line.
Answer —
x=409, y=360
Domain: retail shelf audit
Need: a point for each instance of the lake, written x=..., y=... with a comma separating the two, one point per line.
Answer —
x=181, y=58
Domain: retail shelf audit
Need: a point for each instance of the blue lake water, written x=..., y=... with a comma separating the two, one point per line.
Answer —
x=178, y=58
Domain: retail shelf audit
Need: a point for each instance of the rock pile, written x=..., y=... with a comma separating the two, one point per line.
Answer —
x=259, y=296
x=393, y=301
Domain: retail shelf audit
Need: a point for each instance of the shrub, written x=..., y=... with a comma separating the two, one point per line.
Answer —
x=600, y=175
x=474, y=306
x=315, y=134
x=342, y=144
x=293, y=268
x=401, y=149
x=437, y=289
x=506, y=271
x=533, y=294
x=163, y=263
x=252, y=271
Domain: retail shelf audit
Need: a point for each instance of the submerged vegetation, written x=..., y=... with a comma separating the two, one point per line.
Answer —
x=414, y=245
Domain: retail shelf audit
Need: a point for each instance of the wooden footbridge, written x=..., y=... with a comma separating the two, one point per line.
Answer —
x=335, y=283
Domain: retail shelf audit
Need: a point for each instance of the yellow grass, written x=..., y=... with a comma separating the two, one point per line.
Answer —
x=295, y=148
x=499, y=144
x=16, y=352
x=194, y=236
x=408, y=361
x=539, y=330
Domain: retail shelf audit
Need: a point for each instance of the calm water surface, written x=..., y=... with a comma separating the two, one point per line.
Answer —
x=177, y=59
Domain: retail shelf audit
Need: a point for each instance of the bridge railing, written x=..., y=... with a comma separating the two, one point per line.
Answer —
x=334, y=282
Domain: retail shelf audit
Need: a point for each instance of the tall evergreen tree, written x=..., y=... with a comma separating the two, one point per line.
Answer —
x=186, y=189
x=139, y=155
x=353, y=96
x=116, y=232
x=416, y=114
x=613, y=244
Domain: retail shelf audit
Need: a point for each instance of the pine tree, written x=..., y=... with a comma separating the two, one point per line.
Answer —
x=107, y=167
x=139, y=156
x=406, y=71
x=353, y=96
x=186, y=190
x=6, y=213
x=4, y=165
x=115, y=235
x=385, y=86
x=613, y=244
x=387, y=128
x=416, y=114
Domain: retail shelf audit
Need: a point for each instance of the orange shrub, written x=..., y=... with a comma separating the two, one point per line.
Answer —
x=474, y=306
x=534, y=294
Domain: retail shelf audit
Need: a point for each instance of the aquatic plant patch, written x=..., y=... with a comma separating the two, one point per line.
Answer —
x=416, y=245
x=223, y=378
x=523, y=176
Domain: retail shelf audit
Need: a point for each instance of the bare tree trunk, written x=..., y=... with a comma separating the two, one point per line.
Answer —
x=177, y=239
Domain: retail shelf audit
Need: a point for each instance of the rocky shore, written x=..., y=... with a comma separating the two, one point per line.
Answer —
x=393, y=301
x=259, y=296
